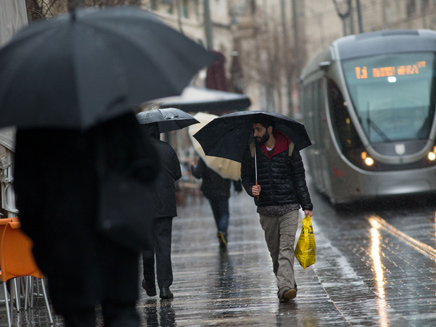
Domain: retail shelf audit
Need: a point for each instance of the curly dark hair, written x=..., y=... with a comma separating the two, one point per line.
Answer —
x=264, y=121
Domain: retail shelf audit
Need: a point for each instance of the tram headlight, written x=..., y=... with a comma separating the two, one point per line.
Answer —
x=367, y=160
x=432, y=154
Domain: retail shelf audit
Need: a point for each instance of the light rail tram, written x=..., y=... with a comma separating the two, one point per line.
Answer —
x=368, y=103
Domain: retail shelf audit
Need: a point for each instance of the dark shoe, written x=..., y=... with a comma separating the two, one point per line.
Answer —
x=289, y=295
x=222, y=237
x=149, y=289
x=165, y=293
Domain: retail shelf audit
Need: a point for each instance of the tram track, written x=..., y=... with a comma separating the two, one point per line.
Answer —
x=379, y=223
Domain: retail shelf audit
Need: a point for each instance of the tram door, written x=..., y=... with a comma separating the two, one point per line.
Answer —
x=319, y=128
x=315, y=127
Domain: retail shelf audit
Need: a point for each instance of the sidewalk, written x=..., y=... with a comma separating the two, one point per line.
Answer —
x=212, y=287
x=236, y=287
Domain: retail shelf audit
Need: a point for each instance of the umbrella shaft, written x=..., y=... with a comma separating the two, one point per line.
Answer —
x=255, y=164
x=255, y=168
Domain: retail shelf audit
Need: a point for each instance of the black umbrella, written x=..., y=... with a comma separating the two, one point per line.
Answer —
x=169, y=119
x=228, y=136
x=195, y=99
x=90, y=65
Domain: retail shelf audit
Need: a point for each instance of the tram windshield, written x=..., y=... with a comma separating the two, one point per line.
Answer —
x=393, y=95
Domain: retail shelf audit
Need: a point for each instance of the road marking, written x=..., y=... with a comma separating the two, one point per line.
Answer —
x=379, y=223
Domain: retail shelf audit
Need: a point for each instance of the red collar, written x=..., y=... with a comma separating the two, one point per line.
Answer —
x=282, y=144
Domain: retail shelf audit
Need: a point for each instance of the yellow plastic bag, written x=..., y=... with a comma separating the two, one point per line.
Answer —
x=305, y=249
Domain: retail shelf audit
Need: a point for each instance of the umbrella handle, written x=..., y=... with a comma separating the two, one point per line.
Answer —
x=257, y=196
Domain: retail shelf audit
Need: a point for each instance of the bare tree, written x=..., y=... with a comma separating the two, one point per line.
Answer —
x=108, y=3
x=40, y=9
x=266, y=65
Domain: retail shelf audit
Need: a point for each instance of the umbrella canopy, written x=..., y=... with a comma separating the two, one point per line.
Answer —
x=224, y=167
x=195, y=99
x=169, y=119
x=229, y=135
x=91, y=65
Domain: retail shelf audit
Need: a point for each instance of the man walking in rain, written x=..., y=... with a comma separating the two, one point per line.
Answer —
x=166, y=209
x=279, y=192
x=217, y=190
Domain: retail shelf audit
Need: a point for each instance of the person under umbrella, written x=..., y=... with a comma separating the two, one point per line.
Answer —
x=153, y=123
x=78, y=146
x=217, y=190
x=272, y=171
x=166, y=210
x=58, y=185
x=280, y=190
x=217, y=175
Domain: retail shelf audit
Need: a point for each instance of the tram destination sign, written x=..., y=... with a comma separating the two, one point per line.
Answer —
x=363, y=72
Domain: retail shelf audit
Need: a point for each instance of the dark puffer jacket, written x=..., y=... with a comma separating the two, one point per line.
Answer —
x=282, y=178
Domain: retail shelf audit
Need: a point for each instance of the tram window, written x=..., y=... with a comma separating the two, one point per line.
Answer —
x=343, y=127
x=393, y=95
x=308, y=108
x=318, y=113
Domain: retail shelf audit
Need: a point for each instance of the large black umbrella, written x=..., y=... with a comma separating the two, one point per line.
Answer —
x=228, y=136
x=169, y=119
x=195, y=99
x=91, y=65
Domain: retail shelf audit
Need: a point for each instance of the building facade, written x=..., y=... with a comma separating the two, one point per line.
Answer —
x=254, y=36
x=323, y=22
x=266, y=43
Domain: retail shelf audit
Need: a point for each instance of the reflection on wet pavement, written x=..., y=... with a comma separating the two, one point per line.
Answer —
x=375, y=253
x=158, y=313
x=390, y=250
x=234, y=287
x=373, y=268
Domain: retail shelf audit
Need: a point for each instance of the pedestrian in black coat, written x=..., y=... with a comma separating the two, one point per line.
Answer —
x=166, y=210
x=217, y=190
x=57, y=184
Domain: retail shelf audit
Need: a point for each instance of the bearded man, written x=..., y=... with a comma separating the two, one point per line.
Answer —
x=279, y=192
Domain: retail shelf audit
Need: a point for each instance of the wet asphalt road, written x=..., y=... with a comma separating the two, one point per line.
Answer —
x=376, y=266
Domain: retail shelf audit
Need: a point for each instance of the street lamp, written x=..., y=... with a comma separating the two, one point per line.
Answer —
x=359, y=16
x=343, y=9
x=208, y=25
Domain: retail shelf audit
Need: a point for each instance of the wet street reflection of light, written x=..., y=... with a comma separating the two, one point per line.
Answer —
x=425, y=249
x=378, y=268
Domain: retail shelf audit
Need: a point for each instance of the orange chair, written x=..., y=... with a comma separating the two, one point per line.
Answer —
x=16, y=260
x=4, y=222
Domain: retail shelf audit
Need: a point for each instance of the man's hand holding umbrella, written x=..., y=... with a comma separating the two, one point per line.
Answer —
x=256, y=190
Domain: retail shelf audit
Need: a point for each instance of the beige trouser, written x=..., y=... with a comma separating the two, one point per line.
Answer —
x=280, y=238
